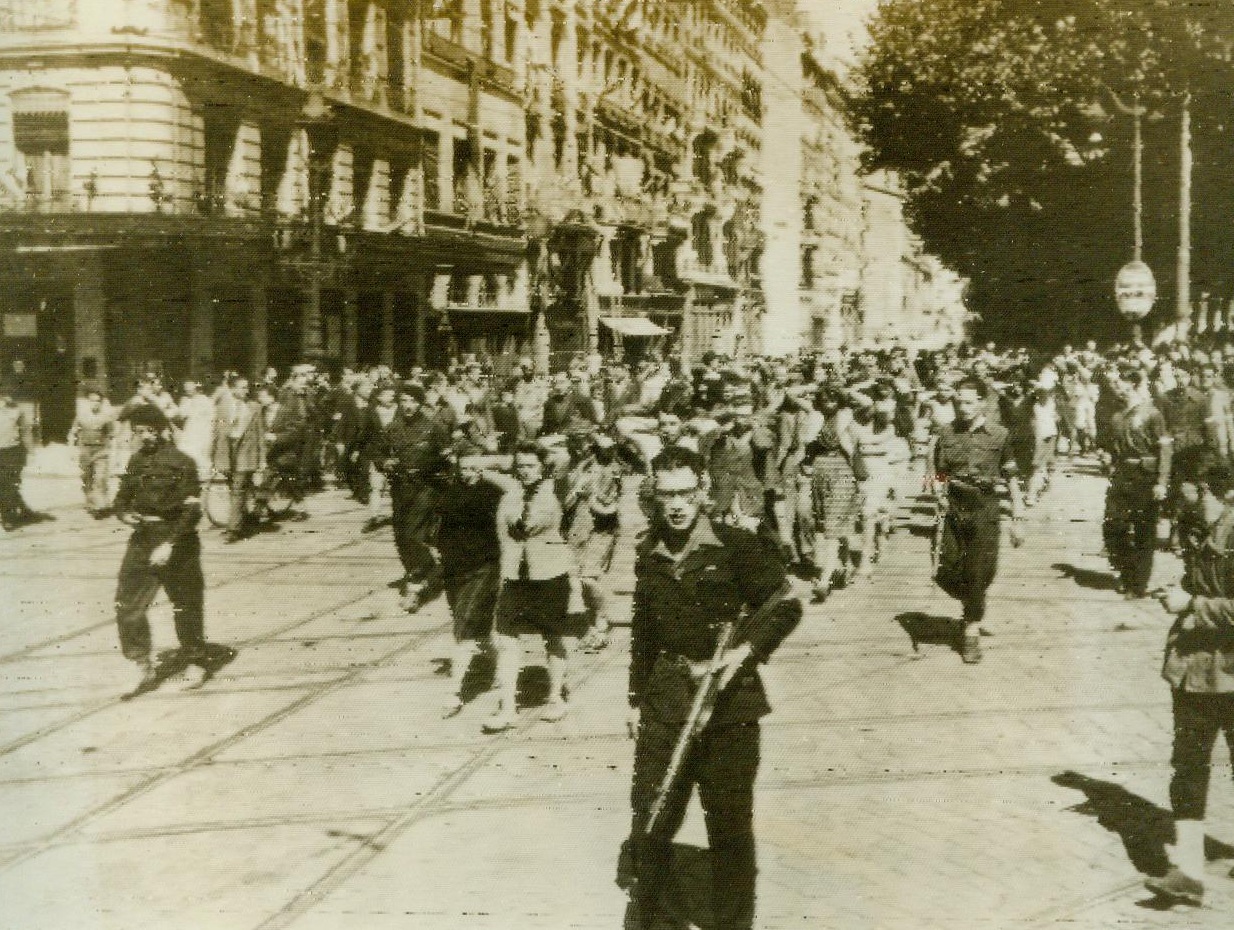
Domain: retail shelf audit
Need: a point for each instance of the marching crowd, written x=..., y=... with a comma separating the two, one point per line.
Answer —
x=503, y=494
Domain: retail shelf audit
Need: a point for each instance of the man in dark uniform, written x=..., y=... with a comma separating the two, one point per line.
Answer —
x=692, y=577
x=972, y=458
x=1140, y=450
x=413, y=457
x=159, y=497
x=1185, y=411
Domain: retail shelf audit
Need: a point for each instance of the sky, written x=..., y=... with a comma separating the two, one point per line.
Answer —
x=841, y=21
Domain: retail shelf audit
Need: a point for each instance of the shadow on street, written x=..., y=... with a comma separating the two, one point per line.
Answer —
x=1087, y=578
x=929, y=629
x=1144, y=827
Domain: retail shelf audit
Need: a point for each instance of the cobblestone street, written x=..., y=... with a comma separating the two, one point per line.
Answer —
x=313, y=785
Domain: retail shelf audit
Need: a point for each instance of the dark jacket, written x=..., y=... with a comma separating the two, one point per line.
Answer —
x=680, y=609
x=467, y=533
x=415, y=445
x=162, y=483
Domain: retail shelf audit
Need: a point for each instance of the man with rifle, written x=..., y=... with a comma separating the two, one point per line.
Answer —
x=694, y=579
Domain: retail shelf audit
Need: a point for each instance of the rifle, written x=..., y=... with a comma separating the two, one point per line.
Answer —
x=936, y=541
x=705, y=701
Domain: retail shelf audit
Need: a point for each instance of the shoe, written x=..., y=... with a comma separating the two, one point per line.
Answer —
x=147, y=680
x=372, y=525
x=554, y=711
x=498, y=723
x=1178, y=887
x=452, y=708
x=411, y=602
x=232, y=537
x=213, y=656
x=970, y=648
x=193, y=678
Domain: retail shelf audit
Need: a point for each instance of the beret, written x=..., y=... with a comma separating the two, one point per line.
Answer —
x=148, y=415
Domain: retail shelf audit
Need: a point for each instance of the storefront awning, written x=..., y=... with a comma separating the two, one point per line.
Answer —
x=633, y=326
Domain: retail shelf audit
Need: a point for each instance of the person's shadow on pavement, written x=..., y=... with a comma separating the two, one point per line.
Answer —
x=1087, y=578
x=930, y=630
x=1144, y=828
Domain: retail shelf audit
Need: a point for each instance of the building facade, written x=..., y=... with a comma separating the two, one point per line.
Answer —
x=842, y=268
x=195, y=186
x=644, y=134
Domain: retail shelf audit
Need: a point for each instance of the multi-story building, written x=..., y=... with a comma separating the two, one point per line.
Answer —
x=841, y=266
x=644, y=134
x=203, y=185
x=813, y=205
x=907, y=296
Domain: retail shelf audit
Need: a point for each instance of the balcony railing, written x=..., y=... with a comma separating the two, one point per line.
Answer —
x=55, y=202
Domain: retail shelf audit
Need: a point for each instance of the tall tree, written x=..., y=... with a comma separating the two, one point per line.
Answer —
x=1001, y=118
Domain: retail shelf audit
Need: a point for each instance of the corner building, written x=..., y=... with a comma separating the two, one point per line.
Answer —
x=207, y=185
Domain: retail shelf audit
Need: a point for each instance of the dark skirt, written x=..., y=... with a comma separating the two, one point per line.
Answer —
x=472, y=597
x=538, y=607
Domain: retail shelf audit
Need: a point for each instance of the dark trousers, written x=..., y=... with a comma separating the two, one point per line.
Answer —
x=1198, y=718
x=968, y=552
x=243, y=493
x=354, y=471
x=12, y=508
x=723, y=764
x=140, y=581
x=1129, y=528
x=413, y=522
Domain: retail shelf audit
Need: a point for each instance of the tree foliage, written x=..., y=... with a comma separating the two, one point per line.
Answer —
x=1005, y=120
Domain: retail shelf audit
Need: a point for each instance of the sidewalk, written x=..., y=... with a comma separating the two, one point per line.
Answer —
x=313, y=784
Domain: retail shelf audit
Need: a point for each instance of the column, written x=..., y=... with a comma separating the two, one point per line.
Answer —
x=445, y=167
x=421, y=311
x=259, y=335
x=201, y=326
x=387, y=328
x=311, y=347
x=351, y=333
x=90, y=324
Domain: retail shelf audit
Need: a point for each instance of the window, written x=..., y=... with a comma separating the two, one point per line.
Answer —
x=430, y=160
x=514, y=189
x=490, y=291
x=219, y=129
x=42, y=142
x=456, y=295
x=702, y=159
x=486, y=29
x=20, y=15
x=559, y=139
x=216, y=24
x=557, y=35
x=701, y=229
x=494, y=201
x=464, y=164
x=395, y=52
x=807, y=268
x=511, y=36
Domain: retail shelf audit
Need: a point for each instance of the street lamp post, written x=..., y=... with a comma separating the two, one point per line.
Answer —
x=1135, y=288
